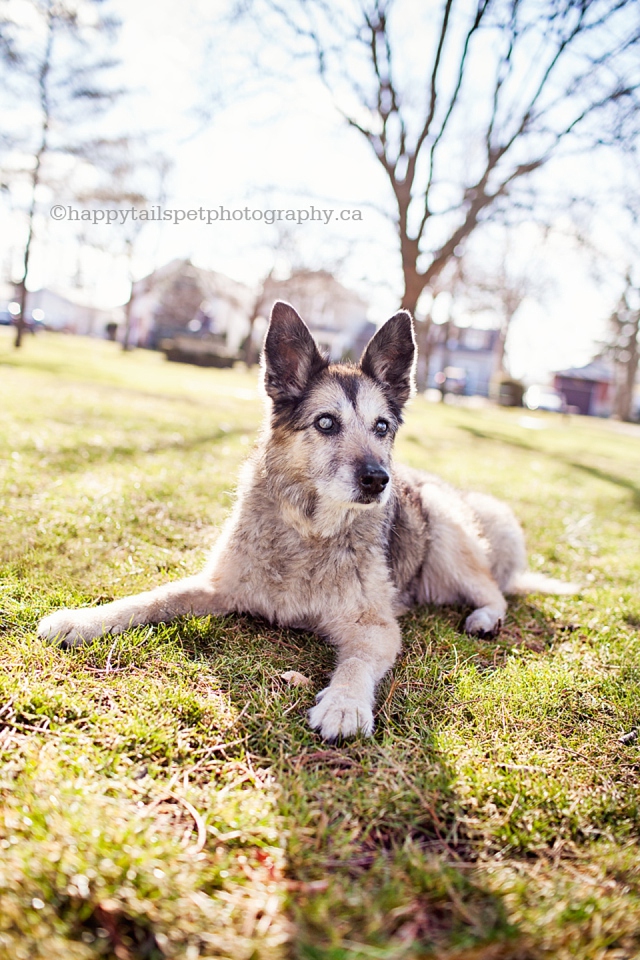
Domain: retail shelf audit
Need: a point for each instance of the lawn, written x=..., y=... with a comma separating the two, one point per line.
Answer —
x=162, y=795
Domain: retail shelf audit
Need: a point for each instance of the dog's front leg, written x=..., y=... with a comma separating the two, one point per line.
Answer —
x=193, y=596
x=367, y=648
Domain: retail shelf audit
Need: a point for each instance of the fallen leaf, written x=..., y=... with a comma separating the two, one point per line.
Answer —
x=295, y=679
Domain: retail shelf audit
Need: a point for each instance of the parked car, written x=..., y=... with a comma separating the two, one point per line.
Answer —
x=544, y=398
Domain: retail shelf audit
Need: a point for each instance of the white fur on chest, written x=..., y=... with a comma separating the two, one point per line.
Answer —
x=272, y=569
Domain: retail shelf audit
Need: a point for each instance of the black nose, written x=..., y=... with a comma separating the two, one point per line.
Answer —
x=372, y=478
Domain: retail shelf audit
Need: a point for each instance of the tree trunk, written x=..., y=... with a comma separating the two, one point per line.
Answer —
x=423, y=341
x=446, y=329
x=250, y=353
x=35, y=177
x=126, y=337
x=23, y=306
x=627, y=373
x=21, y=321
x=413, y=287
x=126, y=345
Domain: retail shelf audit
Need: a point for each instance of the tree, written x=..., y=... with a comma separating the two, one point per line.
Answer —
x=282, y=247
x=8, y=52
x=57, y=70
x=624, y=348
x=446, y=288
x=288, y=261
x=507, y=86
x=500, y=289
x=610, y=235
x=134, y=176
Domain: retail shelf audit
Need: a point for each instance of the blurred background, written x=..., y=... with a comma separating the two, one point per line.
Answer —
x=168, y=171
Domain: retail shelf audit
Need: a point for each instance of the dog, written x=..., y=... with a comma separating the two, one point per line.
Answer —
x=327, y=535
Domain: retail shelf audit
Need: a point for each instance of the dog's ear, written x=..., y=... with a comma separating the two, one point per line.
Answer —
x=290, y=355
x=390, y=357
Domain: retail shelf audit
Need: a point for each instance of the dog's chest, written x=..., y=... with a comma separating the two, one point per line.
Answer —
x=294, y=579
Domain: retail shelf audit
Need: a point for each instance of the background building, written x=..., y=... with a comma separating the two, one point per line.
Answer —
x=589, y=389
x=471, y=352
x=336, y=316
x=67, y=312
x=182, y=299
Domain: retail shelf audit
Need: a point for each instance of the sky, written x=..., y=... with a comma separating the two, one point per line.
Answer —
x=271, y=146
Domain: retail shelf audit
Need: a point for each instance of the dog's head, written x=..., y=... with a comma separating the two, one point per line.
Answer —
x=333, y=425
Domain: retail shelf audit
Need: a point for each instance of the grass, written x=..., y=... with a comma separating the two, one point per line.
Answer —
x=162, y=795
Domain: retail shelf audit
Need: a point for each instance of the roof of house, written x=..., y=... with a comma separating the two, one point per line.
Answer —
x=212, y=283
x=304, y=281
x=598, y=371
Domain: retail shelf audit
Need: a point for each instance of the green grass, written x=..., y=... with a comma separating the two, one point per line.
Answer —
x=162, y=795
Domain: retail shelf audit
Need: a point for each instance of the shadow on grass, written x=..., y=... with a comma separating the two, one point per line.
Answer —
x=376, y=856
x=613, y=478
x=378, y=862
x=81, y=456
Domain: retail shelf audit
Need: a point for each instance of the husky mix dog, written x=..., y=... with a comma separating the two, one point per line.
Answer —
x=327, y=535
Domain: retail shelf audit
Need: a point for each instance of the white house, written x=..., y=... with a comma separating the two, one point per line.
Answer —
x=336, y=316
x=182, y=299
x=69, y=312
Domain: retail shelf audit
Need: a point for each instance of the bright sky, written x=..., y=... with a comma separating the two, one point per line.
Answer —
x=275, y=150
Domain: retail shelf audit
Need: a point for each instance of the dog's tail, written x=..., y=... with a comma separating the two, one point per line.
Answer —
x=530, y=582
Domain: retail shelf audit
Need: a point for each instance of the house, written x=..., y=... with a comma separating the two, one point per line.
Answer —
x=336, y=316
x=466, y=355
x=69, y=312
x=590, y=389
x=180, y=299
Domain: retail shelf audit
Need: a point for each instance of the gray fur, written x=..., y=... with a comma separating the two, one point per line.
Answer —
x=308, y=546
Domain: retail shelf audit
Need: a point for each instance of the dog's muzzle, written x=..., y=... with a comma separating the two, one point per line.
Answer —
x=372, y=481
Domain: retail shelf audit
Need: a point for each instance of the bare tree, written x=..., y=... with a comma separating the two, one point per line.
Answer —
x=59, y=70
x=500, y=289
x=425, y=343
x=623, y=344
x=250, y=350
x=507, y=85
x=281, y=248
x=289, y=262
x=624, y=348
x=450, y=282
x=8, y=51
x=133, y=177
x=609, y=234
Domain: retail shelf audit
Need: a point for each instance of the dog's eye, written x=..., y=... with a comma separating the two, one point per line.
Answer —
x=326, y=424
x=381, y=427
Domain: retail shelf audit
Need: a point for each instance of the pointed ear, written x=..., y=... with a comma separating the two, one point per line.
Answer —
x=290, y=356
x=390, y=357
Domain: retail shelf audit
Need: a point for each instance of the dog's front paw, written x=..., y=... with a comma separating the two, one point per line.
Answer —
x=483, y=622
x=336, y=714
x=70, y=628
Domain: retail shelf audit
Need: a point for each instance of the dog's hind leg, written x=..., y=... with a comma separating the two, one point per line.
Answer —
x=484, y=594
x=457, y=566
x=463, y=576
x=193, y=596
x=469, y=583
x=367, y=648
